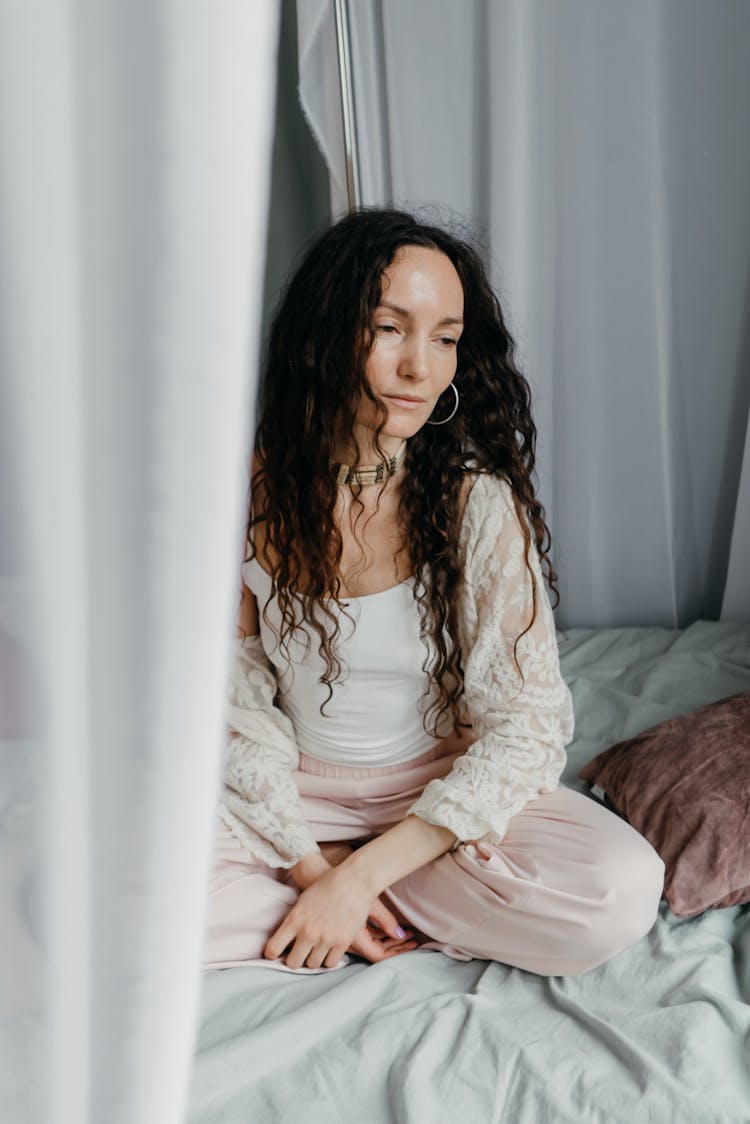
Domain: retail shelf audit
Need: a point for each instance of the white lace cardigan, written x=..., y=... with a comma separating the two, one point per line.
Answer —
x=520, y=731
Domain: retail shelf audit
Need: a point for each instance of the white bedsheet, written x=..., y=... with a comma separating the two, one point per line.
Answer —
x=658, y=1033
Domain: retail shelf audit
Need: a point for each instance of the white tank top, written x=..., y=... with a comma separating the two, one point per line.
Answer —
x=374, y=716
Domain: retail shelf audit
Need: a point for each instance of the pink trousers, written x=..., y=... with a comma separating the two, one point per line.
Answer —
x=570, y=885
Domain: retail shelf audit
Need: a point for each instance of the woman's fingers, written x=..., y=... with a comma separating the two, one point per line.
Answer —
x=317, y=956
x=395, y=943
x=323, y=923
x=276, y=944
x=333, y=957
x=380, y=913
x=364, y=944
x=300, y=953
x=304, y=954
x=382, y=916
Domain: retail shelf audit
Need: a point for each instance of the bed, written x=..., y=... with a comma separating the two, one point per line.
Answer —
x=658, y=1033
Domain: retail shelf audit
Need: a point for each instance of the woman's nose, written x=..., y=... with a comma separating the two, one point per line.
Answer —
x=415, y=358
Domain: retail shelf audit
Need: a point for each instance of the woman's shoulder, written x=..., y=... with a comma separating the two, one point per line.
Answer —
x=489, y=505
x=482, y=494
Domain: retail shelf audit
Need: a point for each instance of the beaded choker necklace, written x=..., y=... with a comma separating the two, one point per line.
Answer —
x=369, y=473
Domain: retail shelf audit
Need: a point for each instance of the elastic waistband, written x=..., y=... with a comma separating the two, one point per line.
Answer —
x=332, y=769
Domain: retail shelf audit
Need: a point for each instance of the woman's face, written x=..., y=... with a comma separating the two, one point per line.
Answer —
x=416, y=328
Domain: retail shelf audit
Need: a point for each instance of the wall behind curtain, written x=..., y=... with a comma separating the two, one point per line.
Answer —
x=600, y=151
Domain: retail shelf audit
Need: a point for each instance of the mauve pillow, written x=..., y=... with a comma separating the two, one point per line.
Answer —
x=685, y=786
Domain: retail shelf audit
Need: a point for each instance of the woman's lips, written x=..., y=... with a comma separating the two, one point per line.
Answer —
x=406, y=403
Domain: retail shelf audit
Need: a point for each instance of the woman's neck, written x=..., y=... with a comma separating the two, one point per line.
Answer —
x=367, y=452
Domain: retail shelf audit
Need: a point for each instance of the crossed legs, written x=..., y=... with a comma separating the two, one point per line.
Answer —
x=569, y=886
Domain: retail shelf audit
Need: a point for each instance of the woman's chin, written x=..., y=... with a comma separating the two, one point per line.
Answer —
x=404, y=427
x=401, y=426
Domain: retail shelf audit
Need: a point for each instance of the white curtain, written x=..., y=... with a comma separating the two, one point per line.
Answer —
x=135, y=145
x=601, y=152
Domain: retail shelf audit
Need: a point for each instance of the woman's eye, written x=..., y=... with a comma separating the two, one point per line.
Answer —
x=449, y=340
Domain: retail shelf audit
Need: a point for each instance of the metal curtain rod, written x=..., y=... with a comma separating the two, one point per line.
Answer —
x=341, y=12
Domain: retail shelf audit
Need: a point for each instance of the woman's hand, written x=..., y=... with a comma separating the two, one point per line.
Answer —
x=329, y=918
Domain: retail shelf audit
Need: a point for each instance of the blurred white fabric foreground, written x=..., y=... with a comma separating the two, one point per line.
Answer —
x=135, y=145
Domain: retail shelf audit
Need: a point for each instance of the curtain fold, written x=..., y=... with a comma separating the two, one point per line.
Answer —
x=135, y=146
x=320, y=91
x=736, y=600
x=599, y=154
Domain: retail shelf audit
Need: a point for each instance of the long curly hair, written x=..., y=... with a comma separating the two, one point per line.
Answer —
x=312, y=382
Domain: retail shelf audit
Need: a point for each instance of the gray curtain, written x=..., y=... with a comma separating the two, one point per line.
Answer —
x=600, y=152
x=300, y=203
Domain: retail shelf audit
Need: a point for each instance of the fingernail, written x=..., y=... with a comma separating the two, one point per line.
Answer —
x=400, y=932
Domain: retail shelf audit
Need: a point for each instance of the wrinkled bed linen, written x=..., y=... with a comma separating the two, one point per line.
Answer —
x=658, y=1033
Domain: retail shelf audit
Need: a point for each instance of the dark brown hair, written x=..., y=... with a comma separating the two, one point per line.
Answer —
x=313, y=377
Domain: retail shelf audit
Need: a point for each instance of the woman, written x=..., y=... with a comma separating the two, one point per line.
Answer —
x=397, y=716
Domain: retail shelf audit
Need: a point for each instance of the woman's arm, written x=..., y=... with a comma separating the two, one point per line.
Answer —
x=260, y=801
x=521, y=725
x=312, y=864
x=397, y=852
x=520, y=728
x=240, y=809
x=260, y=789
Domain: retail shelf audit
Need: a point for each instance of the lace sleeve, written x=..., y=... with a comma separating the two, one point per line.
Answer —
x=260, y=802
x=521, y=729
